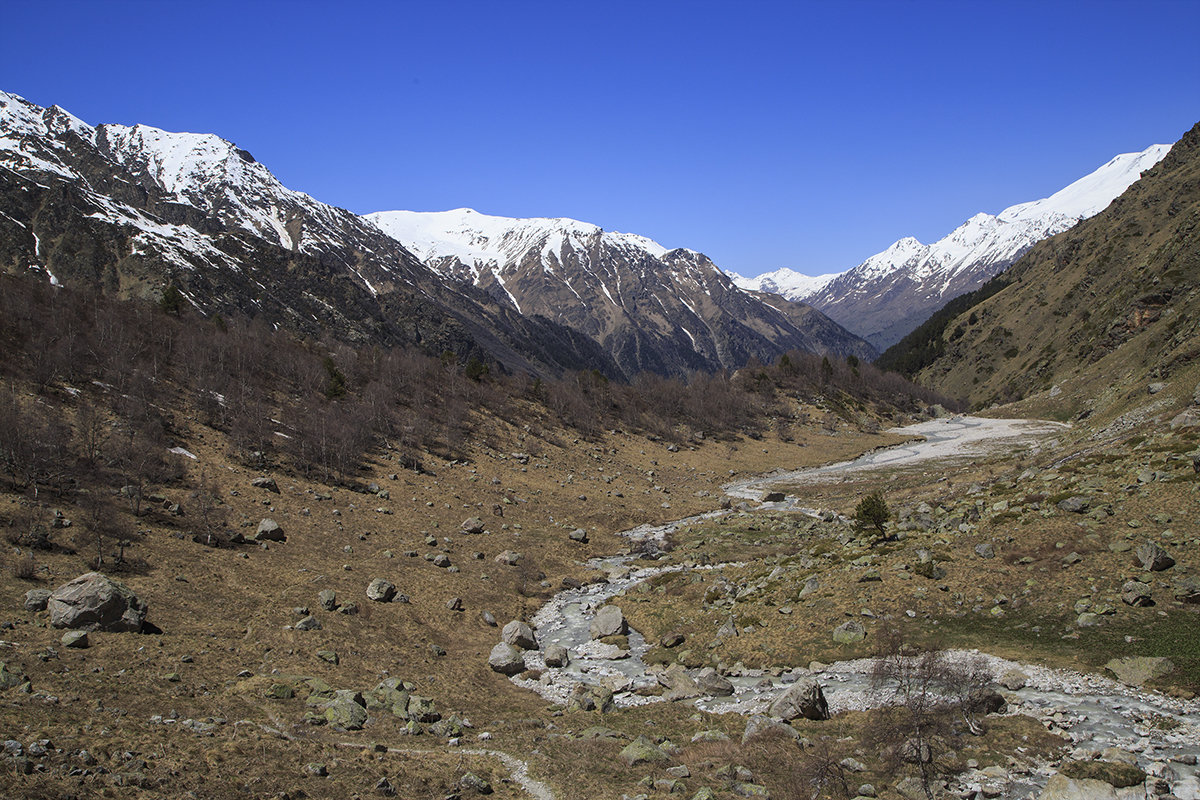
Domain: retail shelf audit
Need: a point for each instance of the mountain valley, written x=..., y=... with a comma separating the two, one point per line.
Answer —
x=298, y=503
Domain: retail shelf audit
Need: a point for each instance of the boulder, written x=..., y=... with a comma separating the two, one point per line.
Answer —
x=985, y=550
x=75, y=639
x=518, y=634
x=346, y=710
x=95, y=602
x=711, y=683
x=472, y=525
x=849, y=632
x=269, y=531
x=327, y=599
x=1060, y=787
x=578, y=535
x=761, y=725
x=1186, y=589
x=772, y=497
x=266, y=483
x=508, y=558
x=1118, y=774
x=804, y=698
x=36, y=599
x=381, y=590
x=643, y=751
x=1136, y=670
x=1136, y=593
x=1152, y=558
x=556, y=656
x=609, y=621
x=1075, y=505
x=506, y=659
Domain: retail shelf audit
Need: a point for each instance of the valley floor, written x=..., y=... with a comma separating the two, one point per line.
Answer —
x=1023, y=553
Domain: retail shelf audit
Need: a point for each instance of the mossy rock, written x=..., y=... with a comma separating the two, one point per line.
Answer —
x=1111, y=772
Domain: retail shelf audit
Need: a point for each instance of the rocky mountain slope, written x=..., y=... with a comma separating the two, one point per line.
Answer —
x=137, y=209
x=1095, y=314
x=892, y=292
x=665, y=311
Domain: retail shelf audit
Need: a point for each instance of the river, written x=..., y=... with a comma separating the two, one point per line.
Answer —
x=1090, y=711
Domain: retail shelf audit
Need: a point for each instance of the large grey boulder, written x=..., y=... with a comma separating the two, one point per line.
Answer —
x=712, y=683
x=761, y=725
x=1136, y=593
x=96, y=602
x=609, y=621
x=472, y=525
x=1153, y=558
x=804, y=698
x=269, y=531
x=381, y=590
x=556, y=656
x=518, y=634
x=1136, y=670
x=506, y=659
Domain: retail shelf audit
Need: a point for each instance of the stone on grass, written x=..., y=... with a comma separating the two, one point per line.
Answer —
x=381, y=590
x=1136, y=670
x=1152, y=557
x=1075, y=505
x=804, y=698
x=609, y=621
x=1136, y=593
x=76, y=639
x=269, y=531
x=762, y=725
x=36, y=599
x=96, y=602
x=985, y=550
x=347, y=710
x=266, y=483
x=327, y=599
x=1186, y=589
x=849, y=632
x=309, y=623
x=643, y=751
x=578, y=535
x=473, y=783
x=472, y=525
x=506, y=659
x=508, y=558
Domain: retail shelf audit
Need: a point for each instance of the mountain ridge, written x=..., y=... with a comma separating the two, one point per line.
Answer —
x=893, y=291
x=650, y=306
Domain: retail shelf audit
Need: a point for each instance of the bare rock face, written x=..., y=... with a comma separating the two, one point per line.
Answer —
x=94, y=602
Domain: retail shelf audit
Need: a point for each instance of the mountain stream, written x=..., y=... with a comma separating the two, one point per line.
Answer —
x=1089, y=711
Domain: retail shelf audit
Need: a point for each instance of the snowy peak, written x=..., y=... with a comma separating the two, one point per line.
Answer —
x=784, y=282
x=481, y=240
x=893, y=291
x=654, y=309
x=1092, y=193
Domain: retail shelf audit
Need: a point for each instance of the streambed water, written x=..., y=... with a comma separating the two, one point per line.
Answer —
x=1089, y=711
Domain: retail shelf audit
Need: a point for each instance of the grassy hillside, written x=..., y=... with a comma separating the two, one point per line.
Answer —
x=1092, y=316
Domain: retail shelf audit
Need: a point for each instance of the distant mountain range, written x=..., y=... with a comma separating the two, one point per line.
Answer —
x=135, y=209
x=892, y=292
x=651, y=308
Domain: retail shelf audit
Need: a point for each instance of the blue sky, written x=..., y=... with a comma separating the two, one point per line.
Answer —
x=765, y=134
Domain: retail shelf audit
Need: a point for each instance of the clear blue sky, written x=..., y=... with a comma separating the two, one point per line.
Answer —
x=764, y=134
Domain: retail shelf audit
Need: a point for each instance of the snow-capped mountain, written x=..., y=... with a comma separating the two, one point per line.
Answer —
x=894, y=291
x=787, y=282
x=652, y=308
x=134, y=209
